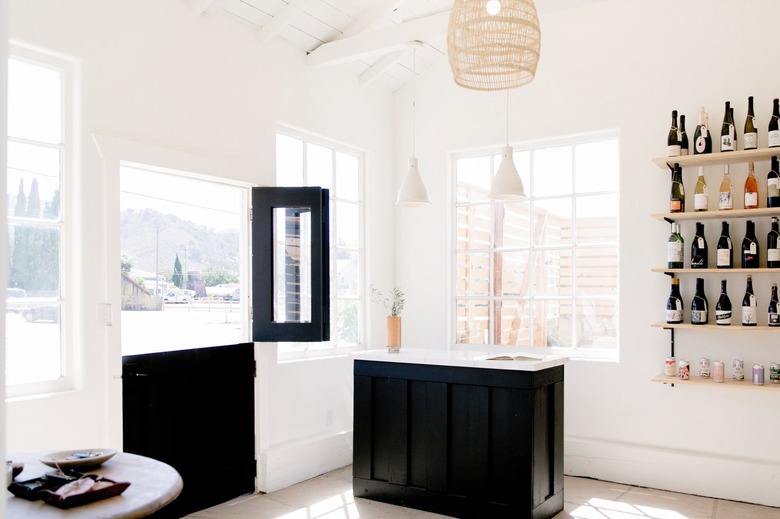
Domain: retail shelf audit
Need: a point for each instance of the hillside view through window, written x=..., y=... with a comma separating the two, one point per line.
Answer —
x=181, y=244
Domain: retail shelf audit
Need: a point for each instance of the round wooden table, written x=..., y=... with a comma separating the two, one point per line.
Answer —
x=153, y=484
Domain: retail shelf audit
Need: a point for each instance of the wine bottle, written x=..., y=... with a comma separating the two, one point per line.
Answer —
x=773, y=184
x=751, y=189
x=699, y=248
x=725, y=252
x=699, y=308
x=749, y=305
x=750, y=247
x=677, y=193
x=674, y=305
x=773, y=135
x=707, y=134
x=700, y=198
x=773, y=246
x=675, y=255
x=723, y=306
x=725, y=199
x=673, y=139
x=700, y=135
x=773, y=317
x=683, y=137
x=727, y=135
x=733, y=125
x=751, y=130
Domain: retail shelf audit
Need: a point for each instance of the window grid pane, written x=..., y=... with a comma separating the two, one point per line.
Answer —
x=552, y=280
x=340, y=172
x=36, y=154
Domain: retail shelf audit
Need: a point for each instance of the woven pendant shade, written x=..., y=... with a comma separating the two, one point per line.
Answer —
x=493, y=51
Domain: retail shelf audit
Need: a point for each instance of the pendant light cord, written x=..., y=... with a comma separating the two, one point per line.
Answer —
x=507, y=117
x=414, y=101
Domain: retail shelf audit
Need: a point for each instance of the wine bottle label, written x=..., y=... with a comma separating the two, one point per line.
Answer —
x=698, y=316
x=673, y=151
x=749, y=315
x=773, y=254
x=675, y=205
x=725, y=201
x=773, y=138
x=751, y=199
x=750, y=140
x=674, y=316
x=701, y=143
x=700, y=241
x=773, y=319
x=727, y=141
x=674, y=252
x=724, y=258
x=697, y=262
x=773, y=187
x=722, y=316
x=700, y=201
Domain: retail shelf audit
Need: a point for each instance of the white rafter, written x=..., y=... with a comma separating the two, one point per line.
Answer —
x=373, y=13
x=379, y=68
x=386, y=40
x=282, y=19
x=200, y=6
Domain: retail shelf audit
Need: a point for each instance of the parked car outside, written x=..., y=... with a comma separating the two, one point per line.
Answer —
x=37, y=313
x=15, y=300
x=179, y=296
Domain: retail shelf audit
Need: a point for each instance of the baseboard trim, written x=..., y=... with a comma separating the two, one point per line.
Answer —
x=284, y=465
x=719, y=475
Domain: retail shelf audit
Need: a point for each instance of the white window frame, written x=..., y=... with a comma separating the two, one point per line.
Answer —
x=495, y=153
x=291, y=351
x=69, y=72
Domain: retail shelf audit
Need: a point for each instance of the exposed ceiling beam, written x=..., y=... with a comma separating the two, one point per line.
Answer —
x=200, y=6
x=379, y=68
x=382, y=41
x=282, y=19
x=374, y=12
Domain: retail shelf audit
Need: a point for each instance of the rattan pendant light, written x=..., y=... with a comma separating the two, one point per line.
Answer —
x=493, y=44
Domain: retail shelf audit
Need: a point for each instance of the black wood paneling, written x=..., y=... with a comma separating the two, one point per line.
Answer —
x=465, y=442
x=194, y=409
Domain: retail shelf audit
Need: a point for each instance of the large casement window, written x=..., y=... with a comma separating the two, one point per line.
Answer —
x=40, y=152
x=304, y=161
x=542, y=272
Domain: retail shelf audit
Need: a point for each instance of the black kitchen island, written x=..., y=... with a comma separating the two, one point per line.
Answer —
x=454, y=433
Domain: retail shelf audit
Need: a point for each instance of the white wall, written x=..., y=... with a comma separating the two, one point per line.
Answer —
x=613, y=64
x=154, y=74
x=3, y=223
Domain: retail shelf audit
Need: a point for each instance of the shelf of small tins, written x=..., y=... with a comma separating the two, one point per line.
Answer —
x=735, y=201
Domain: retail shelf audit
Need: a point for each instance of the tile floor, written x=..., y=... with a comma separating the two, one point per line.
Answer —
x=330, y=497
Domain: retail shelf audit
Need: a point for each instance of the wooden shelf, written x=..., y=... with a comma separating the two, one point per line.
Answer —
x=735, y=326
x=718, y=215
x=728, y=383
x=762, y=270
x=714, y=159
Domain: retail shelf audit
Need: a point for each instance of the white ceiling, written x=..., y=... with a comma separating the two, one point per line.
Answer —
x=366, y=37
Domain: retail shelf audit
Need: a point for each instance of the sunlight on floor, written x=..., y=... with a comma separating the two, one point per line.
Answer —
x=605, y=509
x=340, y=506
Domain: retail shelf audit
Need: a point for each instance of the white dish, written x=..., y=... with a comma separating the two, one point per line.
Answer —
x=78, y=458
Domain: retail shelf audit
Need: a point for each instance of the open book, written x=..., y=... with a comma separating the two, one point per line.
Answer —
x=510, y=357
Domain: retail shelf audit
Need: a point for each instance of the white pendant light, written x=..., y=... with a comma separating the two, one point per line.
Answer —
x=506, y=184
x=413, y=191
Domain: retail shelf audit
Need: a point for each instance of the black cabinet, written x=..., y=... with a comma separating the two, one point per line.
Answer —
x=460, y=441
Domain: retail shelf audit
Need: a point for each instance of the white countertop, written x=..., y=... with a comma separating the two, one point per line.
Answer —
x=474, y=359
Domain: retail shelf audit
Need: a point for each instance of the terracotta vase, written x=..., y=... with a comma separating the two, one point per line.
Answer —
x=394, y=334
